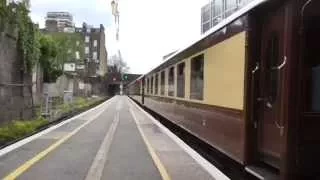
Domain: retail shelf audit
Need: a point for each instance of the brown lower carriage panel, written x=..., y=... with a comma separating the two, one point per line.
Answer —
x=221, y=128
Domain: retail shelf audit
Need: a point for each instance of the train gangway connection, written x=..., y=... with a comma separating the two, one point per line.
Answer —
x=116, y=140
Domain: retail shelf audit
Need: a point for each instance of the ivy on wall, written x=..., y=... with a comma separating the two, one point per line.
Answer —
x=28, y=44
x=47, y=60
x=51, y=50
x=14, y=17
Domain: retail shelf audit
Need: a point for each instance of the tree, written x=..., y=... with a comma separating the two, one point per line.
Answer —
x=68, y=44
x=118, y=64
x=51, y=68
x=56, y=50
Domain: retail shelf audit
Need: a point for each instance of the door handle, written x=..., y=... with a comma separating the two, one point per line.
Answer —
x=266, y=101
x=255, y=69
x=284, y=62
x=261, y=99
x=281, y=127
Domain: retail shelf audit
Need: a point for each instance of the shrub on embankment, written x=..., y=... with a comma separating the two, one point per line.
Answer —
x=16, y=130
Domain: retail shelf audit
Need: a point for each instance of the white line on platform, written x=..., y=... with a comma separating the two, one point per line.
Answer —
x=28, y=164
x=96, y=169
x=162, y=170
x=212, y=170
x=46, y=131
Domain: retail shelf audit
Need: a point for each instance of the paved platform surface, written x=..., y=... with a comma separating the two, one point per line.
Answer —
x=116, y=140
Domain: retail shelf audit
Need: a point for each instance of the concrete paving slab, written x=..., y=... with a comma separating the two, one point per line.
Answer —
x=179, y=162
x=15, y=158
x=129, y=158
x=74, y=157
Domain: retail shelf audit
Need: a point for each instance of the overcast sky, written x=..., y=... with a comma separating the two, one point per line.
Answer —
x=149, y=29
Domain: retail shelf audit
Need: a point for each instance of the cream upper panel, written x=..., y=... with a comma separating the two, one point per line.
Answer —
x=224, y=73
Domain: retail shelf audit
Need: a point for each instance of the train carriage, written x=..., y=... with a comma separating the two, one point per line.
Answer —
x=249, y=87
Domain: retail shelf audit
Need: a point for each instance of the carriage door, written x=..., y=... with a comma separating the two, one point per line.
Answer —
x=273, y=61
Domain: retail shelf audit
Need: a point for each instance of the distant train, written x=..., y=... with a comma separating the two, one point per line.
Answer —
x=250, y=87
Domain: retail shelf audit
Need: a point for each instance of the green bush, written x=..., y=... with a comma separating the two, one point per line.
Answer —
x=65, y=108
x=80, y=103
x=18, y=129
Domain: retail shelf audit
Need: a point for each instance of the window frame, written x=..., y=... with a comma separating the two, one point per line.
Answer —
x=156, y=85
x=181, y=94
x=87, y=50
x=87, y=39
x=95, y=43
x=193, y=87
x=162, y=82
x=171, y=84
x=148, y=85
x=95, y=55
x=77, y=53
x=151, y=88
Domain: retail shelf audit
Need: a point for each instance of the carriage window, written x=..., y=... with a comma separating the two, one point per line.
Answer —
x=151, y=91
x=272, y=60
x=162, y=82
x=180, y=80
x=156, y=84
x=312, y=65
x=315, y=88
x=196, y=89
x=171, y=82
x=147, y=84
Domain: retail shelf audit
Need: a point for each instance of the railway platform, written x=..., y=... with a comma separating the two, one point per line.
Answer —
x=116, y=140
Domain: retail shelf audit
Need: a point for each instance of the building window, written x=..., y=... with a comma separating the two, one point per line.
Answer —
x=206, y=17
x=230, y=7
x=162, y=80
x=95, y=43
x=181, y=80
x=218, y=7
x=196, y=89
x=171, y=82
x=86, y=50
x=151, y=91
x=77, y=55
x=87, y=39
x=156, y=84
x=95, y=55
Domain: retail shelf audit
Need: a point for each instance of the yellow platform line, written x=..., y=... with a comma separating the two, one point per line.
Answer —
x=23, y=168
x=163, y=172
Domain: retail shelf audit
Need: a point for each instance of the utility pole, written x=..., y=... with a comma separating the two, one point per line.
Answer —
x=116, y=14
